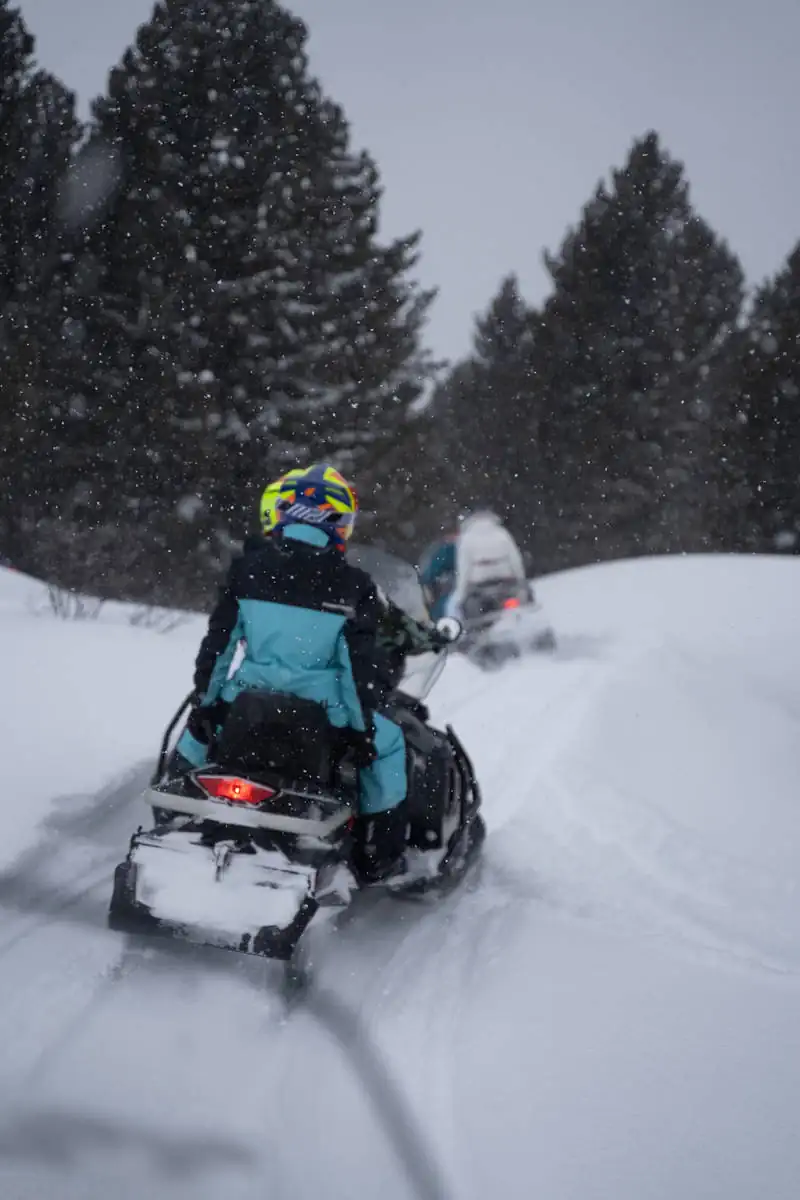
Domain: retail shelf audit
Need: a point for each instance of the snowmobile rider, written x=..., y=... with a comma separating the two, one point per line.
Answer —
x=482, y=553
x=399, y=634
x=438, y=575
x=308, y=622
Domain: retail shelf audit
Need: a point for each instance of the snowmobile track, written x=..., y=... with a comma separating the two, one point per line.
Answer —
x=31, y=886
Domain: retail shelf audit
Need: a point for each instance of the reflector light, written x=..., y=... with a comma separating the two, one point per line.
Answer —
x=511, y=602
x=230, y=787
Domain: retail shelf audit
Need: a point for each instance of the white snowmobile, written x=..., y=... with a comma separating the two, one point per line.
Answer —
x=503, y=622
x=246, y=852
x=493, y=598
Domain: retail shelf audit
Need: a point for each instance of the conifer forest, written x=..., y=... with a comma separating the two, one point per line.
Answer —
x=195, y=296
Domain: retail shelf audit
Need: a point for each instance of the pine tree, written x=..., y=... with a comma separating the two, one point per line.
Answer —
x=456, y=408
x=487, y=411
x=769, y=396
x=645, y=297
x=38, y=131
x=239, y=312
x=498, y=422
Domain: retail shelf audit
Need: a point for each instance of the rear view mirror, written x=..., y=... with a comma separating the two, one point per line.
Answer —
x=450, y=628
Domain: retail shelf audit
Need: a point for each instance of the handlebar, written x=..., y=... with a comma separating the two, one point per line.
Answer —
x=164, y=750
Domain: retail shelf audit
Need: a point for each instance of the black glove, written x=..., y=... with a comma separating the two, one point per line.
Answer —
x=362, y=746
x=204, y=720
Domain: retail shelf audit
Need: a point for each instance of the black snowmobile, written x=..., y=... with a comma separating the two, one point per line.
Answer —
x=503, y=620
x=245, y=853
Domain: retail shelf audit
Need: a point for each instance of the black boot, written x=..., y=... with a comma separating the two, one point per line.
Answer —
x=380, y=842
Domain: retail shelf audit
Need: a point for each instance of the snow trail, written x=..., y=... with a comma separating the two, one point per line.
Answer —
x=609, y=1009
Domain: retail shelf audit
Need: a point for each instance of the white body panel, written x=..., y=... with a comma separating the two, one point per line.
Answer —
x=178, y=878
x=485, y=552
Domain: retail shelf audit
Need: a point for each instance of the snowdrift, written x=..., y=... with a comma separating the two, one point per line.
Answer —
x=658, y=767
x=609, y=1011
x=83, y=700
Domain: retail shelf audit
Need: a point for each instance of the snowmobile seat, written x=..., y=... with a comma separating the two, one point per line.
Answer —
x=276, y=732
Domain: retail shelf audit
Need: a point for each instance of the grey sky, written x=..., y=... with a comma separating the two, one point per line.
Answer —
x=491, y=120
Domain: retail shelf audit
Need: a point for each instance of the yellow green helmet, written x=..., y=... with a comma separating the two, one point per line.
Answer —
x=318, y=495
x=268, y=510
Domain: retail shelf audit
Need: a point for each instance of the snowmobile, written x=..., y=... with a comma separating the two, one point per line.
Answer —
x=503, y=620
x=247, y=852
x=487, y=589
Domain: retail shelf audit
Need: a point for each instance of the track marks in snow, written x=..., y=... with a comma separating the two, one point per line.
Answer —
x=57, y=958
x=65, y=876
x=61, y=1137
x=590, y=834
x=542, y=704
x=623, y=861
x=412, y=1004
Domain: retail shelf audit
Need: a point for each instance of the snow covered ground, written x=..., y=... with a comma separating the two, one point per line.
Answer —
x=610, y=1011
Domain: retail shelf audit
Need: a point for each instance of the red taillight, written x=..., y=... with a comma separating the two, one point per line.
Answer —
x=230, y=787
x=511, y=602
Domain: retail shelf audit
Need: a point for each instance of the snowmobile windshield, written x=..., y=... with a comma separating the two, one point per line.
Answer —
x=421, y=673
x=394, y=576
x=398, y=580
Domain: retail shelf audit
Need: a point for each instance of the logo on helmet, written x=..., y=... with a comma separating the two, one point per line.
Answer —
x=310, y=515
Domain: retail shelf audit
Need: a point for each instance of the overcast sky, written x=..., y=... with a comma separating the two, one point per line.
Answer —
x=492, y=120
